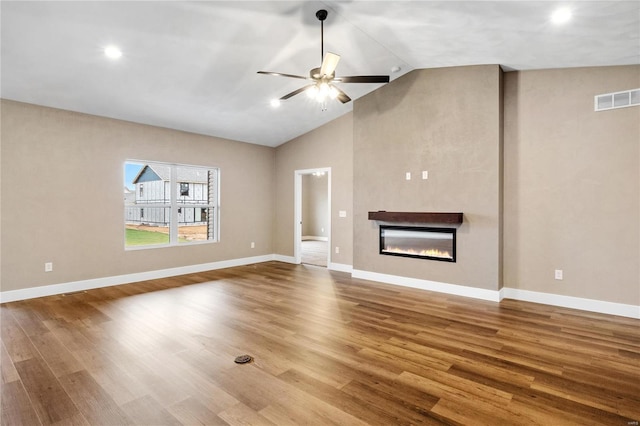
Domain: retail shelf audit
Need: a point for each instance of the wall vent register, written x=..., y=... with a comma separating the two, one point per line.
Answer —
x=616, y=100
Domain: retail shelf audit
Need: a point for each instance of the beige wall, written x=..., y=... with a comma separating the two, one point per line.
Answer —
x=315, y=206
x=572, y=184
x=62, y=195
x=0, y=196
x=445, y=121
x=571, y=189
x=328, y=146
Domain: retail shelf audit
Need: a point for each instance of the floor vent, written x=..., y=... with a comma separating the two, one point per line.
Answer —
x=243, y=359
x=617, y=100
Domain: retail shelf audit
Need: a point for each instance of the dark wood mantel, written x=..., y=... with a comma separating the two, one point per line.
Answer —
x=416, y=217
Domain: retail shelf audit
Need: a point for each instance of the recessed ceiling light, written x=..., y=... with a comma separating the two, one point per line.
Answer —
x=275, y=103
x=560, y=16
x=395, y=69
x=112, y=52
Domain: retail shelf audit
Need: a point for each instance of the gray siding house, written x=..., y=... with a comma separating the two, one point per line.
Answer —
x=152, y=201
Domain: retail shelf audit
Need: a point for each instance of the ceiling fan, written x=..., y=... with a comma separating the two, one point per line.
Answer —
x=322, y=78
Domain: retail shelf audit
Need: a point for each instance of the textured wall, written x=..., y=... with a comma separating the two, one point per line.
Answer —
x=572, y=184
x=328, y=146
x=62, y=195
x=315, y=205
x=571, y=188
x=446, y=121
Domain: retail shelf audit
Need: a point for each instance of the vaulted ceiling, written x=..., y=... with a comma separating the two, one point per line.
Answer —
x=193, y=65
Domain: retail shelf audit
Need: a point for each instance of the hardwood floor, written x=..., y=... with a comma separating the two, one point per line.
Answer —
x=328, y=349
x=315, y=252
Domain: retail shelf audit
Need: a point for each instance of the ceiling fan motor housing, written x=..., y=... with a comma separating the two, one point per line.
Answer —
x=316, y=74
x=321, y=14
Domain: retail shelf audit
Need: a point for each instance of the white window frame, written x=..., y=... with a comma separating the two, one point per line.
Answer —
x=174, y=205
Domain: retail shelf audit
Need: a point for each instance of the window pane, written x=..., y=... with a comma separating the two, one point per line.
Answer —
x=147, y=210
x=196, y=217
x=193, y=185
x=161, y=199
x=147, y=225
x=197, y=224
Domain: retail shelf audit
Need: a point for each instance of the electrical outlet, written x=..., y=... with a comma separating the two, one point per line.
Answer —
x=407, y=176
x=425, y=174
x=558, y=274
x=337, y=250
x=48, y=267
x=253, y=245
x=342, y=213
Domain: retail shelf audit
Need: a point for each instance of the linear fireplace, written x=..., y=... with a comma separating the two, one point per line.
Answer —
x=419, y=242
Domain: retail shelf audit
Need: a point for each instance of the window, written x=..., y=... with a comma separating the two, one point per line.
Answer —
x=184, y=189
x=174, y=204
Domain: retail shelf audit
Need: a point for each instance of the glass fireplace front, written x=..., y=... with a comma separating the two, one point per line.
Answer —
x=423, y=243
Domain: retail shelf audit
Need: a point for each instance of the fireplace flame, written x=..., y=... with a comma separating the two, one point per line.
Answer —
x=428, y=252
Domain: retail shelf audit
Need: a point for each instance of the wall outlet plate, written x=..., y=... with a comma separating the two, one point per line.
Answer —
x=558, y=274
x=48, y=266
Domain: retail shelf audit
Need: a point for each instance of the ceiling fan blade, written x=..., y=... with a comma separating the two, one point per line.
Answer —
x=283, y=75
x=342, y=97
x=295, y=92
x=363, y=79
x=329, y=63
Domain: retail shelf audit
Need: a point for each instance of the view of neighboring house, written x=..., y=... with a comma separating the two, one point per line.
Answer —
x=150, y=201
x=129, y=196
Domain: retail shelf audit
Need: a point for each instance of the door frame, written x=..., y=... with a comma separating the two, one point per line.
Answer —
x=297, y=217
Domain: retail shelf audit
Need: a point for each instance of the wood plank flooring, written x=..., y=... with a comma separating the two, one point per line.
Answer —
x=328, y=349
x=314, y=252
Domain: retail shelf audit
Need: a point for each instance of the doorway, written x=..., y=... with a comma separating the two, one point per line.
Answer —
x=312, y=216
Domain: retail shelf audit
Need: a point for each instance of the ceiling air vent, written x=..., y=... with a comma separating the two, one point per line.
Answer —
x=617, y=100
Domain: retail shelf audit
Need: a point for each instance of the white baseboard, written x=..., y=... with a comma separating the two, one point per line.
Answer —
x=592, y=305
x=314, y=238
x=49, y=290
x=340, y=267
x=285, y=259
x=458, y=290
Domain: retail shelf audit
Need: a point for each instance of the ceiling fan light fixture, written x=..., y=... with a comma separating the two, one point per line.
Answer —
x=322, y=77
x=323, y=91
x=312, y=92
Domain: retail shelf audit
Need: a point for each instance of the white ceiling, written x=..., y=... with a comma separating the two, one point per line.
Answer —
x=192, y=65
